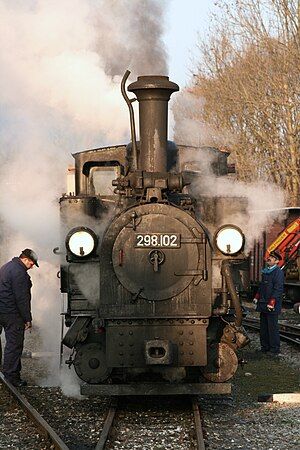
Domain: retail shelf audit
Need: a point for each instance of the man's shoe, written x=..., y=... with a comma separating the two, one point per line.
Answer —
x=276, y=354
x=18, y=383
x=22, y=383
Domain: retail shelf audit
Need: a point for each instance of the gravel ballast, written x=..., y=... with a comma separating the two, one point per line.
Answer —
x=230, y=423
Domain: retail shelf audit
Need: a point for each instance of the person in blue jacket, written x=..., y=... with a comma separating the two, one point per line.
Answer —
x=15, y=311
x=268, y=303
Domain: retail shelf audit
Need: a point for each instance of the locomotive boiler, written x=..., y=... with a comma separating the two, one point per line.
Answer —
x=152, y=275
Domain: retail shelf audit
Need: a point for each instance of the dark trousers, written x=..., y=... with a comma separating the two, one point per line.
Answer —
x=0, y=346
x=13, y=326
x=269, y=332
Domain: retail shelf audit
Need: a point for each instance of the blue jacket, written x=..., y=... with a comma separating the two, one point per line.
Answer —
x=271, y=286
x=15, y=285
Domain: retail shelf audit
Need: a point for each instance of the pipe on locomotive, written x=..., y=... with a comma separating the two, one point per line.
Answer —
x=129, y=102
x=153, y=93
x=226, y=272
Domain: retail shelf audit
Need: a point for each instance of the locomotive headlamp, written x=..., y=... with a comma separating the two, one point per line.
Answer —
x=229, y=239
x=81, y=241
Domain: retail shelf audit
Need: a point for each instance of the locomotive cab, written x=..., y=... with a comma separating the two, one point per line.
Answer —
x=150, y=271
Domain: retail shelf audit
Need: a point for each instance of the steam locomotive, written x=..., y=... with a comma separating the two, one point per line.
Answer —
x=152, y=275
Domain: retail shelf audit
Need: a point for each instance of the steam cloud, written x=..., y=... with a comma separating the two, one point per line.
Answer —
x=261, y=196
x=61, y=65
x=190, y=128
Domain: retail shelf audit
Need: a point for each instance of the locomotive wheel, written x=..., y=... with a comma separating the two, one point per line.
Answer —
x=90, y=363
x=223, y=364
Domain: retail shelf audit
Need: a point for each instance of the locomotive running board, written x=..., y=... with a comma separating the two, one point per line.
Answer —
x=156, y=389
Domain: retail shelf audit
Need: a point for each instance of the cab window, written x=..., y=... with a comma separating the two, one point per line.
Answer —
x=101, y=179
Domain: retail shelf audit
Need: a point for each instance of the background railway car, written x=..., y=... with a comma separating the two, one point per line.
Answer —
x=152, y=274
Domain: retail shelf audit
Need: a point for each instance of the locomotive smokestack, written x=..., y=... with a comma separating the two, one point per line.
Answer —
x=153, y=94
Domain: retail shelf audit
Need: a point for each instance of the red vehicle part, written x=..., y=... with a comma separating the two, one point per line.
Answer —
x=287, y=243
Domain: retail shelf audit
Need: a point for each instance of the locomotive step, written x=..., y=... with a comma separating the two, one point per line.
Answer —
x=156, y=389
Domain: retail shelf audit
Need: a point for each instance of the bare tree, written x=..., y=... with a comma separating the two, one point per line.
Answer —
x=249, y=82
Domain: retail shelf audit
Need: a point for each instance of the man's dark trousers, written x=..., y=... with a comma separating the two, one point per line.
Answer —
x=269, y=332
x=13, y=325
x=0, y=346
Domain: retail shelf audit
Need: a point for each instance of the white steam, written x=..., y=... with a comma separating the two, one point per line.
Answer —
x=260, y=197
x=190, y=127
x=191, y=130
x=61, y=65
x=67, y=57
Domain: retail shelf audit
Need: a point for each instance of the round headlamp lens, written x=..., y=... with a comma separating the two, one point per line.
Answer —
x=81, y=242
x=229, y=240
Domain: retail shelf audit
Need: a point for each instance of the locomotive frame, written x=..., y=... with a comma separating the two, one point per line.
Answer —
x=151, y=274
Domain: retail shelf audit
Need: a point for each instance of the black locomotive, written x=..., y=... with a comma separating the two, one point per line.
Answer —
x=152, y=275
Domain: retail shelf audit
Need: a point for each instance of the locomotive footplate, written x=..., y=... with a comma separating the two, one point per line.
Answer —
x=156, y=389
x=142, y=343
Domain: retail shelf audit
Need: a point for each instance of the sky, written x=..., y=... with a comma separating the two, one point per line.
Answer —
x=184, y=20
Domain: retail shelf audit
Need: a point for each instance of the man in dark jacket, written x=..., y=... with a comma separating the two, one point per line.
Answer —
x=15, y=311
x=268, y=303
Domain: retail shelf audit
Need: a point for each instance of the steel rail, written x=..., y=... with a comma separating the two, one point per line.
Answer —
x=108, y=424
x=45, y=429
x=288, y=333
x=198, y=425
x=289, y=328
x=106, y=430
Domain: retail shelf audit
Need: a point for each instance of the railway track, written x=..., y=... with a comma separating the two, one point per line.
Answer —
x=198, y=425
x=44, y=428
x=112, y=413
x=56, y=442
x=289, y=333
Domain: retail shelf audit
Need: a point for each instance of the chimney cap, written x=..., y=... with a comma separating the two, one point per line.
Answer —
x=153, y=82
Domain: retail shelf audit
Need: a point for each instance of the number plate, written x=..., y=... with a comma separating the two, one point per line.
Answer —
x=157, y=240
